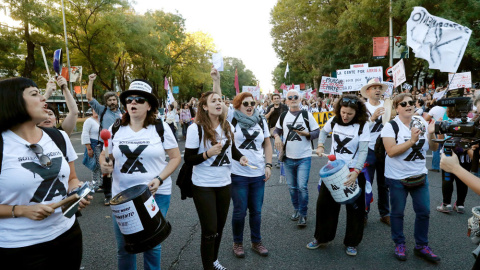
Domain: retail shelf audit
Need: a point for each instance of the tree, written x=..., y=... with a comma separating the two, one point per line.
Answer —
x=227, y=79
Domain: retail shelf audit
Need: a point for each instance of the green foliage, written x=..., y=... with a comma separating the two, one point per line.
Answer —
x=227, y=79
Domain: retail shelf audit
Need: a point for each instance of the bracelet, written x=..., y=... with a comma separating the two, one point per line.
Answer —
x=321, y=146
x=269, y=165
x=13, y=211
x=206, y=154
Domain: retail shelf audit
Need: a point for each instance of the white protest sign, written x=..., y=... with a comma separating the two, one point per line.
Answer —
x=354, y=79
x=310, y=93
x=439, y=41
x=331, y=85
x=460, y=80
x=217, y=60
x=438, y=95
x=399, y=73
x=388, y=93
x=363, y=65
x=254, y=90
x=407, y=86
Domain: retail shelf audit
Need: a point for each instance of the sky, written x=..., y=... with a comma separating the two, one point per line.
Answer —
x=240, y=29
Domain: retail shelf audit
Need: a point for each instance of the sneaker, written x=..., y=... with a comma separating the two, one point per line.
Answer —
x=260, y=249
x=302, y=221
x=352, y=251
x=315, y=244
x=295, y=216
x=386, y=220
x=218, y=266
x=400, y=252
x=460, y=208
x=107, y=201
x=426, y=253
x=238, y=250
x=444, y=208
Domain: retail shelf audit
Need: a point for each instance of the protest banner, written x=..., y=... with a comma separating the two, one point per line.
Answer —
x=354, y=79
x=363, y=65
x=407, y=86
x=380, y=47
x=309, y=93
x=400, y=50
x=322, y=118
x=438, y=95
x=460, y=80
x=254, y=90
x=439, y=41
x=399, y=73
x=331, y=85
x=388, y=93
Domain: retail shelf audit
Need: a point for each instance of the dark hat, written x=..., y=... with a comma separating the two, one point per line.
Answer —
x=142, y=88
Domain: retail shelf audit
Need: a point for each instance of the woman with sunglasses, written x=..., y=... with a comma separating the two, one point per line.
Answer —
x=211, y=157
x=70, y=121
x=139, y=155
x=351, y=136
x=34, y=174
x=407, y=148
x=248, y=183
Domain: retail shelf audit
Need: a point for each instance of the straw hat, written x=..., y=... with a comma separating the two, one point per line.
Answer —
x=372, y=82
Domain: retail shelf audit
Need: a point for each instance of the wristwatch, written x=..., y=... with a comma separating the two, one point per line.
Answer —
x=160, y=179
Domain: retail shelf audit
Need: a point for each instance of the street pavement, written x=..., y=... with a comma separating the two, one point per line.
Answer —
x=284, y=240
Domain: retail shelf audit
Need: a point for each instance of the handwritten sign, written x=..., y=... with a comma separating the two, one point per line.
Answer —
x=354, y=79
x=439, y=41
x=389, y=91
x=254, y=90
x=398, y=71
x=331, y=85
x=460, y=80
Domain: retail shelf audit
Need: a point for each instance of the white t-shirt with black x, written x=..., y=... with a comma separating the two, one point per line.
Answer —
x=345, y=140
x=139, y=157
x=250, y=143
x=297, y=146
x=23, y=181
x=410, y=163
x=215, y=171
x=375, y=126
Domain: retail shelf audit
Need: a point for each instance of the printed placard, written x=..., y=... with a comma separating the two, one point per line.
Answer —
x=127, y=218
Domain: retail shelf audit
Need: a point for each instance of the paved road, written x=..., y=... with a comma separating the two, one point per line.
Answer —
x=281, y=236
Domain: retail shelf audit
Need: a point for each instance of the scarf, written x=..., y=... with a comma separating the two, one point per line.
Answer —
x=246, y=122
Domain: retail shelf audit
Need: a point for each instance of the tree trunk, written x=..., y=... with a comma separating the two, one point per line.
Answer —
x=30, y=59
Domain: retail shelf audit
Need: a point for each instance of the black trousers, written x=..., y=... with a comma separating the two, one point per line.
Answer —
x=61, y=253
x=212, y=205
x=107, y=186
x=462, y=189
x=328, y=211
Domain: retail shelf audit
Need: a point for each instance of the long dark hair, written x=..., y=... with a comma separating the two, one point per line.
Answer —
x=351, y=101
x=203, y=120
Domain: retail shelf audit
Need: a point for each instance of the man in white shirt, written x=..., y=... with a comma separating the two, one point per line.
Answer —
x=373, y=91
x=299, y=129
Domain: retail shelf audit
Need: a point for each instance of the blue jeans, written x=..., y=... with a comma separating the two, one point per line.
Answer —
x=151, y=258
x=421, y=206
x=297, y=172
x=247, y=192
x=436, y=159
x=382, y=188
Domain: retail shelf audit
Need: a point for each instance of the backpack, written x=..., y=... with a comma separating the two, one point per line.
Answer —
x=305, y=118
x=334, y=121
x=184, y=179
x=158, y=127
x=54, y=134
x=380, y=152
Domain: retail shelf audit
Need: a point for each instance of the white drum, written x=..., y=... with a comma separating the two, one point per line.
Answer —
x=334, y=175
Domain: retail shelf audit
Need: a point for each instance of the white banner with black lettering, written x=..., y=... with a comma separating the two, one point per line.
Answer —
x=354, y=79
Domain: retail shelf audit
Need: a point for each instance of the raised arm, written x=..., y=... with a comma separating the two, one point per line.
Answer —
x=70, y=120
x=49, y=88
x=91, y=79
x=216, y=86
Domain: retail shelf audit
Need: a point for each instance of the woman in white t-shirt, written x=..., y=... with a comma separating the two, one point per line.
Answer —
x=139, y=155
x=93, y=148
x=313, y=108
x=34, y=174
x=351, y=136
x=211, y=157
x=248, y=184
x=406, y=173
x=304, y=105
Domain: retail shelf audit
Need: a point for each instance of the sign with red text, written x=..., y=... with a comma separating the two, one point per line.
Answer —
x=331, y=85
x=398, y=71
x=460, y=80
x=254, y=90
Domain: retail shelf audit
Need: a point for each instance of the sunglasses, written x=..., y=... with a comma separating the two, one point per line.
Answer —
x=139, y=100
x=347, y=101
x=246, y=103
x=404, y=103
x=38, y=150
x=295, y=97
